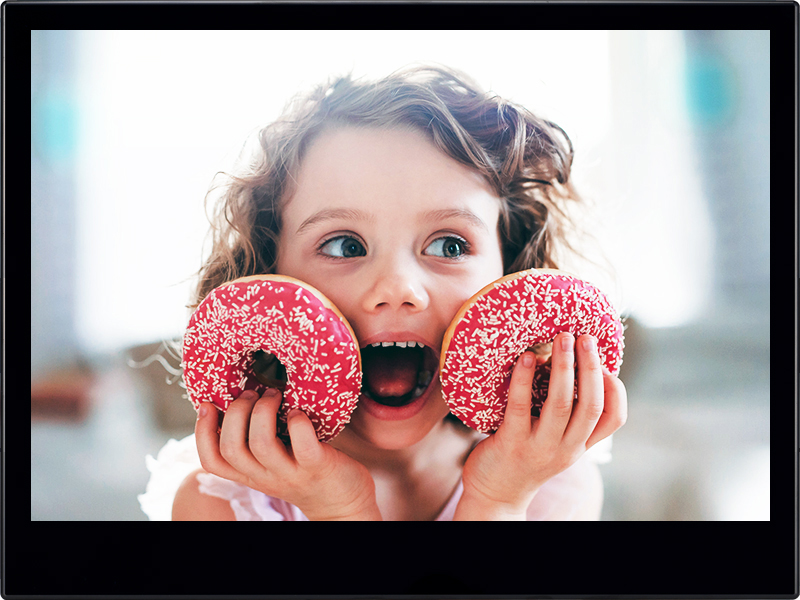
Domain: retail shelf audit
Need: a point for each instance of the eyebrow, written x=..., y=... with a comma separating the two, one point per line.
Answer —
x=454, y=213
x=331, y=214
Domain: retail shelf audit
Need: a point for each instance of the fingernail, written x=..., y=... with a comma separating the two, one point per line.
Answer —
x=566, y=342
x=203, y=410
x=527, y=360
x=270, y=393
x=248, y=395
x=588, y=343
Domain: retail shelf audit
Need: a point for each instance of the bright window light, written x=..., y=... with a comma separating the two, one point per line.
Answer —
x=161, y=112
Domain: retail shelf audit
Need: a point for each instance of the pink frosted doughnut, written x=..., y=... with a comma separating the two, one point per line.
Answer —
x=286, y=318
x=516, y=312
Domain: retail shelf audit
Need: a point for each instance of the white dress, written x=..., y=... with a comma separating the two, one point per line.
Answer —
x=179, y=458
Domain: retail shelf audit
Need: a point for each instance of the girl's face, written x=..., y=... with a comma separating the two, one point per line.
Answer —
x=398, y=235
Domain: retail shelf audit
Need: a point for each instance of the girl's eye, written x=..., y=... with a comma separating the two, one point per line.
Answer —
x=343, y=246
x=447, y=247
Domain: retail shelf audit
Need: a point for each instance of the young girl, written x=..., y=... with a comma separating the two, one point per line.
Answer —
x=400, y=199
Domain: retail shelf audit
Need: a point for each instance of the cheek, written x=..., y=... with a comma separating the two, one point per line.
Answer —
x=450, y=304
x=458, y=292
x=343, y=298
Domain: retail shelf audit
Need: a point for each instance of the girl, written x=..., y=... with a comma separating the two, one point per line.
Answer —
x=399, y=199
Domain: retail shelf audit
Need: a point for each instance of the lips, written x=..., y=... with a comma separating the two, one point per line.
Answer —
x=386, y=412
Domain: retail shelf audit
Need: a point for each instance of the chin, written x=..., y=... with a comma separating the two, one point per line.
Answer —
x=394, y=435
x=397, y=439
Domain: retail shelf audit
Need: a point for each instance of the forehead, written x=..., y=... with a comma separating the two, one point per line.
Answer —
x=350, y=167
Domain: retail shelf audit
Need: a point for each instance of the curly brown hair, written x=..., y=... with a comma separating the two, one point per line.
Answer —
x=526, y=159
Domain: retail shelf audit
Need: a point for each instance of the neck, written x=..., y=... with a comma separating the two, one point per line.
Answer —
x=409, y=460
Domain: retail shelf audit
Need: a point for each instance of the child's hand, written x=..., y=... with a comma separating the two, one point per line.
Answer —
x=504, y=472
x=321, y=481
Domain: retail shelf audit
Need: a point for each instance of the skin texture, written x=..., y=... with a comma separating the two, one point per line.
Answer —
x=372, y=224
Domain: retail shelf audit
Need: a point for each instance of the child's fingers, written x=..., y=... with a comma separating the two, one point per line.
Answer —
x=265, y=445
x=557, y=408
x=306, y=448
x=615, y=410
x=207, y=440
x=517, y=418
x=589, y=406
x=233, y=439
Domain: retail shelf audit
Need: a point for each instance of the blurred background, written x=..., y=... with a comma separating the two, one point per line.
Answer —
x=671, y=131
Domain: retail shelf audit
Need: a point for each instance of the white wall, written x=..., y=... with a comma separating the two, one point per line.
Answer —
x=162, y=112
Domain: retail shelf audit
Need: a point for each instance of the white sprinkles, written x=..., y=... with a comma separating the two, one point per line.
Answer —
x=514, y=315
x=312, y=342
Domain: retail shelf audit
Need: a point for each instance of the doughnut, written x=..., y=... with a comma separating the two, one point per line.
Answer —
x=520, y=311
x=245, y=333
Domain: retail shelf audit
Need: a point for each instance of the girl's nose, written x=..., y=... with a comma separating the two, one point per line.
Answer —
x=396, y=288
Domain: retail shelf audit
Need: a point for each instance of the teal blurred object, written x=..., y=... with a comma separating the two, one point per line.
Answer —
x=711, y=89
x=54, y=127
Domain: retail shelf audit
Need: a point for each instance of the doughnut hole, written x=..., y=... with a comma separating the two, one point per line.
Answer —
x=543, y=352
x=269, y=370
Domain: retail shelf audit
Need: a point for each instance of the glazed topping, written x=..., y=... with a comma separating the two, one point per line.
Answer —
x=314, y=345
x=509, y=318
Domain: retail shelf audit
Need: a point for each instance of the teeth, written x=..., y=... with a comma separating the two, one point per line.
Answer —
x=400, y=344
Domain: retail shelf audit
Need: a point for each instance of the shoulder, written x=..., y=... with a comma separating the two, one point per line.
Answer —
x=191, y=504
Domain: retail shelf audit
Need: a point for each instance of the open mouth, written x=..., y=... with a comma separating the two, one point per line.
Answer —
x=397, y=373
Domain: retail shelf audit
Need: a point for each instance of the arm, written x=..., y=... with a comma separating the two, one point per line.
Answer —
x=506, y=471
x=192, y=505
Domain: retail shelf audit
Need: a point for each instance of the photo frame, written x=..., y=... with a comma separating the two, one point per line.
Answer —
x=478, y=560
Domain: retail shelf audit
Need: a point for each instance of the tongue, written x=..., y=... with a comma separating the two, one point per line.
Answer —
x=391, y=371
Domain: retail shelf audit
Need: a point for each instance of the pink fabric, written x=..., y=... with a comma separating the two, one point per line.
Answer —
x=250, y=505
x=561, y=498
